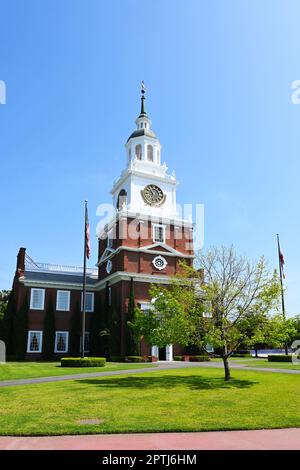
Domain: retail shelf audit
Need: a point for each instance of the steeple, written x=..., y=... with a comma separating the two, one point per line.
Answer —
x=143, y=90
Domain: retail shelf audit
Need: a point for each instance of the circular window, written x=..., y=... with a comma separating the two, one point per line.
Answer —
x=108, y=266
x=159, y=262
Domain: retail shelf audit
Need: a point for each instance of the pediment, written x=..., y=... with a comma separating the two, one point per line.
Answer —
x=161, y=247
x=106, y=254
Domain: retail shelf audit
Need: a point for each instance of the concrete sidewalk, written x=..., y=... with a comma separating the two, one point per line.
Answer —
x=271, y=439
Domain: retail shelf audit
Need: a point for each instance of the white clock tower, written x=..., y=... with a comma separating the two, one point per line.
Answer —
x=145, y=187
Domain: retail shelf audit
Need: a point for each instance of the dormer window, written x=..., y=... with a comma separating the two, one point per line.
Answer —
x=138, y=152
x=150, y=153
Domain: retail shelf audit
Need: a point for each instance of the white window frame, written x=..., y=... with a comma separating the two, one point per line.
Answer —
x=67, y=342
x=92, y=294
x=154, y=226
x=57, y=297
x=86, y=333
x=31, y=298
x=29, y=340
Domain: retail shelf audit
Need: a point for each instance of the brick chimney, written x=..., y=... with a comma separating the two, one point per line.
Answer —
x=21, y=262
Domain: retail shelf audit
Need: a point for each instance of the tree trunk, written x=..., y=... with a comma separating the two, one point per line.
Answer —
x=256, y=355
x=226, y=368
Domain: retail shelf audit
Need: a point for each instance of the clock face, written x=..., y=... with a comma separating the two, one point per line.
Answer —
x=153, y=195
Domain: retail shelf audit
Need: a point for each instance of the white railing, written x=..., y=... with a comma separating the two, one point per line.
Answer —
x=32, y=265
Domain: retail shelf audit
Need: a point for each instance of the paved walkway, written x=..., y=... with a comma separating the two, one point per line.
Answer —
x=271, y=439
x=159, y=367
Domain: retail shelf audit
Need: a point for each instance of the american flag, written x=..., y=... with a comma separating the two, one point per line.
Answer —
x=87, y=233
x=281, y=260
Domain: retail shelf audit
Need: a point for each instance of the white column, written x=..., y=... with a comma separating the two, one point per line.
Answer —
x=169, y=352
x=154, y=351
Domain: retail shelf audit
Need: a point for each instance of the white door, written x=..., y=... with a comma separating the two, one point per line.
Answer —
x=169, y=352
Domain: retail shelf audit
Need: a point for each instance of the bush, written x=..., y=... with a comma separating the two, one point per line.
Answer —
x=82, y=362
x=199, y=358
x=241, y=355
x=279, y=358
x=134, y=359
x=177, y=358
x=117, y=358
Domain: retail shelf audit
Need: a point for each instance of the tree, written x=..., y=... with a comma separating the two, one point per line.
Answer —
x=8, y=310
x=130, y=335
x=234, y=289
x=237, y=290
x=49, y=332
x=76, y=331
x=4, y=298
x=21, y=330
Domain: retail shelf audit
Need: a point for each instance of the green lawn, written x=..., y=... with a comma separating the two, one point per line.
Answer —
x=264, y=363
x=253, y=362
x=29, y=370
x=194, y=399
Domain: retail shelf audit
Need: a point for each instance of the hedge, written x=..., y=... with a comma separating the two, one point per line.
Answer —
x=199, y=358
x=177, y=358
x=117, y=358
x=134, y=359
x=82, y=362
x=280, y=358
x=241, y=355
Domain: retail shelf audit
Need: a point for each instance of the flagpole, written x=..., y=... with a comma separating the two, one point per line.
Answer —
x=281, y=284
x=84, y=280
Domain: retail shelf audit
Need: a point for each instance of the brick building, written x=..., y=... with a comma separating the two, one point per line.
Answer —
x=143, y=242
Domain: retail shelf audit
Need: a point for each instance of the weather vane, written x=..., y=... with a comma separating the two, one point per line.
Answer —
x=143, y=89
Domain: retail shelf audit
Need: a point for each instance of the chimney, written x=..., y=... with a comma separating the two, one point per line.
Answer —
x=21, y=262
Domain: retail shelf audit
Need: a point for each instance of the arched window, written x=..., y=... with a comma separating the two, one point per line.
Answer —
x=138, y=152
x=122, y=199
x=150, y=153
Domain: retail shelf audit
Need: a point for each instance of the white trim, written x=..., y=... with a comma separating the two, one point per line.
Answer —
x=55, y=284
x=57, y=296
x=40, y=340
x=31, y=298
x=161, y=258
x=92, y=294
x=112, y=278
x=148, y=249
x=87, y=333
x=106, y=254
x=67, y=342
x=127, y=214
x=166, y=247
x=137, y=277
x=154, y=226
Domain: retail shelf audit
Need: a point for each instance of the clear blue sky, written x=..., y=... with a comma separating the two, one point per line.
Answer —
x=218, y=76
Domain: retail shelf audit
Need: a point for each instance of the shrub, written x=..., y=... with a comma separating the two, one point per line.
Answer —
x=117, y=358
x=279, y=358
x=199, y=358
x=82, y=362
x=134, y=359
x=177, y=358
x=240, y=355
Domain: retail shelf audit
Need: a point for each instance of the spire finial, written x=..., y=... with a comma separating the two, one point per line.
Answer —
x=143, y=90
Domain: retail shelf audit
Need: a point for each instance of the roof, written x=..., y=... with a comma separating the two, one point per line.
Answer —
x=141, y=132
x=55, y=277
